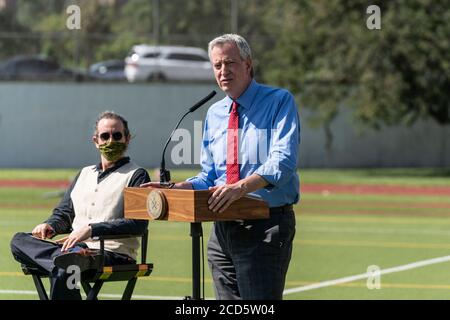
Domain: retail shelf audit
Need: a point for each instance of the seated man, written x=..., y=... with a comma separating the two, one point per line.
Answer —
x=92, y=206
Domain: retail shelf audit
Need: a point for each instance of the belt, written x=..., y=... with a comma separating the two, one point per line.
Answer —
x=283, y=209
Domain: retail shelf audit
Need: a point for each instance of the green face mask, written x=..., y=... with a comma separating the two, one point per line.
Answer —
x=112, y=151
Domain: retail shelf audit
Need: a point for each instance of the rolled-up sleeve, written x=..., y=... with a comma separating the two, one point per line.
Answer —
x=281, y=162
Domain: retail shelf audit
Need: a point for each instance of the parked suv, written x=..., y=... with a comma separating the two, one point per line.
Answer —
x=146, y=63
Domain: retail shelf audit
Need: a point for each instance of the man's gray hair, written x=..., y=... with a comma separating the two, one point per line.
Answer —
x=112, y=115
x=244, y=48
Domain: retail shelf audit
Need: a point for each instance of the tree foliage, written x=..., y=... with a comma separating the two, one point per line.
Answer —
x=328, y=56
x=321, y=50
x=76, y=47
x=11, y=42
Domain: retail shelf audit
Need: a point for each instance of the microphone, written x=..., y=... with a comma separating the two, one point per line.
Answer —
x=164, y=174
x=202, y=102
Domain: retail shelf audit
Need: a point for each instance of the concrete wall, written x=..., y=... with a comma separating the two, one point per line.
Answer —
x=424, y=144
x=46, y=125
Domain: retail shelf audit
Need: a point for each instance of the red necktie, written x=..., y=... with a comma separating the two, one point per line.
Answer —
x=232, y=145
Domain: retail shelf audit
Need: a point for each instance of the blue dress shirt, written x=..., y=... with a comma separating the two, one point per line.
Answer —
x=269, y=139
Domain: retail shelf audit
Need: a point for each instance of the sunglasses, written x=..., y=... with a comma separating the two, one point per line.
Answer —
x=106, y=135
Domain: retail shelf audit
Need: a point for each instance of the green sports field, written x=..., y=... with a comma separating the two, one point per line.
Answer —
x=348, y=220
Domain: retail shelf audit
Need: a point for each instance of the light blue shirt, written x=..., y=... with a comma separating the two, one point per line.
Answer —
x=269, y=139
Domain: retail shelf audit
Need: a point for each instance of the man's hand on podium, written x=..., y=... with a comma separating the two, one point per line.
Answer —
x=223, y=196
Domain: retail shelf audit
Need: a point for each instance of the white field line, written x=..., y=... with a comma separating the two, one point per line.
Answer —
x=361, y=276
x=313, y=286
x=105, y=295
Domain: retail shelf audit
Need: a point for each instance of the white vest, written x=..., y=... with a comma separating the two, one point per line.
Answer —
x=101, y=202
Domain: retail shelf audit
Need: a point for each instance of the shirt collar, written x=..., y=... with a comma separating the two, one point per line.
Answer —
x=246, y=98
x=116, y=166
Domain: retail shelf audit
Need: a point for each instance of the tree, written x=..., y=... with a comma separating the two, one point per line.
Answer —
x=11, y=43
x=328, y=57
x=30, y=12
x=109, y=32
x=76, y=47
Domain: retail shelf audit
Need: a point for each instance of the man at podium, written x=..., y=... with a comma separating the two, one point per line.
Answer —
x=250, y=145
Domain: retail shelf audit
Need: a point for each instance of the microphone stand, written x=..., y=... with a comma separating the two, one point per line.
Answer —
x=164, y=174
x=196, y=227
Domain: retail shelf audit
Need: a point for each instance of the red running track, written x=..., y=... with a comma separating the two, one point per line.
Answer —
x=305, y=188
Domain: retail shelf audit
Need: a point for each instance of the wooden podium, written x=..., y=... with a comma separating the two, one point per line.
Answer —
x=188, y=206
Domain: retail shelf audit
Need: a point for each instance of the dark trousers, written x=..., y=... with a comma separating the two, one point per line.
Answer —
x=249, y=260
x=38, y=254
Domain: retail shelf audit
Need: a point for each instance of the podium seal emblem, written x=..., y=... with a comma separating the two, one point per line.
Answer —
x=156, y=204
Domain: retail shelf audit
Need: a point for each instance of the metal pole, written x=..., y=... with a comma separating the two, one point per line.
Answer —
x=234, y=16
x=196, y=233
x=155, y=21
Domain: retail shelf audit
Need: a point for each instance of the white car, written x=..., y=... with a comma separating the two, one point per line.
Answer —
x=147, y=63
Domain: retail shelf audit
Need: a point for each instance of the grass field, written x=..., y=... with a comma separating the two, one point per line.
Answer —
x=339, y=234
